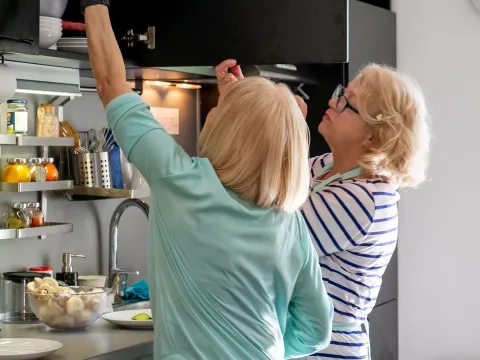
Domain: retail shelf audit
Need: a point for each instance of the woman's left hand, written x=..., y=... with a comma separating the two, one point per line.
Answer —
x=302, y=104
x=225, y=78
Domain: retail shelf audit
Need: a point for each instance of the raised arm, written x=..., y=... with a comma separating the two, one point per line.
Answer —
x=141, y=137
x=105, y=57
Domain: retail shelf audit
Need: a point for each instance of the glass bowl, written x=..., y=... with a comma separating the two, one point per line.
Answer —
x=73, y=308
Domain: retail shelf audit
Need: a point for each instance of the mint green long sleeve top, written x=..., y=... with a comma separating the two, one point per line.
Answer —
x=228, y=279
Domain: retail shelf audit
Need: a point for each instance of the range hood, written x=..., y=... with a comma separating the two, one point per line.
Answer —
x=206, y=74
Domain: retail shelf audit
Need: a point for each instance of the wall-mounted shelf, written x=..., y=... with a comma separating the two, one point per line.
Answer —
x=48, y=229
x=36, y=186
x=44, y=141
x=35, y=141
x=106, y=193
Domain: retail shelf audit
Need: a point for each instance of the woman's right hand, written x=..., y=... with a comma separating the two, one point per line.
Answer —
x=225, y=78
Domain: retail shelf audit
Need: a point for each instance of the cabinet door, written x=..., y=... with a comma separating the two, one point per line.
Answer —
x=384, y=331
x=197, y=33
x=19, y=26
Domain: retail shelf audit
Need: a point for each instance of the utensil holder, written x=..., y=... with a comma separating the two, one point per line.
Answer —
x=92, y=170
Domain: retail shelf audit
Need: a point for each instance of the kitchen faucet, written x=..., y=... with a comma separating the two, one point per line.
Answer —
x=117, y=278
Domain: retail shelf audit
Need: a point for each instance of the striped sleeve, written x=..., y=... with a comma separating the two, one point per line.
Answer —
x=338, y=216
x=317, y=163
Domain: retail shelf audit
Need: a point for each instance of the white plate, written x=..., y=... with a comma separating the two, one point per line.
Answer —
x=124, y=318
x=26, y=349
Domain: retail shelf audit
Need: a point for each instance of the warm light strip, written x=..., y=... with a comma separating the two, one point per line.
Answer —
x=46, y=92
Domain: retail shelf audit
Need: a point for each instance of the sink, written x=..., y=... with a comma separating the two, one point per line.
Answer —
x=140, y=305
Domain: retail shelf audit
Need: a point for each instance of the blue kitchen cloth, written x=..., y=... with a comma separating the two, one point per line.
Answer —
x=138, y=291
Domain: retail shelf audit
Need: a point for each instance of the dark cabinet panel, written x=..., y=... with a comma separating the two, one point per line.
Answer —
x=372, y=37
x=389, y=290
x=193, y=33
x=384, y=331
x=19, y=26
x=385, y=4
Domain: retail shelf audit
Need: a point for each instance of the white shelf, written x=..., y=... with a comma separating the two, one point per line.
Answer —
x=48, y=229
x=36, y=186
x=35, y=141
x=107, y=193
x=44, y=141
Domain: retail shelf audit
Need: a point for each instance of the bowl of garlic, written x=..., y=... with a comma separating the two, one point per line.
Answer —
x=66, y=307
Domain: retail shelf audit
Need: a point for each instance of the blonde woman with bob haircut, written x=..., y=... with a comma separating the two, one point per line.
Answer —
x=379, y=136
x=232, y=271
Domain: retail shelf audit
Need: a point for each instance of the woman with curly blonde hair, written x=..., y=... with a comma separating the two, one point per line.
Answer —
x=379, y=138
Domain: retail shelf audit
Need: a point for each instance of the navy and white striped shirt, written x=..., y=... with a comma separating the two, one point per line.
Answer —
x=353, y=225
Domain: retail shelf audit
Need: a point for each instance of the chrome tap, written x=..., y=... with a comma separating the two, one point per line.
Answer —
x=117, y=278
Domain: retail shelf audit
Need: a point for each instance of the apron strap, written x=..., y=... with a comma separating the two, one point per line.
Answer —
x=348, y=175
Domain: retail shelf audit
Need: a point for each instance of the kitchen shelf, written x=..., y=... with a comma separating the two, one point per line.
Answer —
x=44, y=141
x=48, y=229
x=107, y=193
x=35, y=141
x=36, y=186
x=8, y=139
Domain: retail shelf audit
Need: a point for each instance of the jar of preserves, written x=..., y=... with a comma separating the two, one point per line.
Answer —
x=35, y=214
x=37, y=170
x=16, y=171
x=17, y=117
x=50, y=169
x=47, y=121
x=17, y=217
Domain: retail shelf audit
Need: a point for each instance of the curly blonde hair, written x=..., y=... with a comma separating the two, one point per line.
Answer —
x=258, y=144
x=394, y=107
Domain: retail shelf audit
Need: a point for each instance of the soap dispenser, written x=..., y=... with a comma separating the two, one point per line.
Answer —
x=67, y=275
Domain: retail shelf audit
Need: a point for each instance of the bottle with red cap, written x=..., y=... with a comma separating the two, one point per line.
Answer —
x=43, y=270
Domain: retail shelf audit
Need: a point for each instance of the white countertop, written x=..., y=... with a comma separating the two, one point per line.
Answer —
x=102, y=341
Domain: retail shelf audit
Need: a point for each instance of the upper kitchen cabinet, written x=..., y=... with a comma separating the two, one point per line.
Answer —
x=197, y=33
x=19, y=26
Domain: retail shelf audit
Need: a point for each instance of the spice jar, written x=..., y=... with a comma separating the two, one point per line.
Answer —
x=17, y=117
x=16, y=171
x=47, y=121
x=37, y=170
x=50, y=169
x=17, y=217
x=35, y=214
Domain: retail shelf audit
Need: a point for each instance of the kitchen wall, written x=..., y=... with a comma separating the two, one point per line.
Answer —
x=439, y=243
x=91, y=219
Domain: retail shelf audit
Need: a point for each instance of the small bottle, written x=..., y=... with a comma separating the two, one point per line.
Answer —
x=51, y=170
x=37, y=170
x=17, y=117
x=16, y=171
x=36, y=216
x=68, y=276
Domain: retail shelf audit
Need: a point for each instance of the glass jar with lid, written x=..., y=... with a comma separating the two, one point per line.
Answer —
x=16, y=171
x=47, y=121
x=37, y=170
x=35, y=214
x=17, y=217
x=17, y=117
x=50, y=169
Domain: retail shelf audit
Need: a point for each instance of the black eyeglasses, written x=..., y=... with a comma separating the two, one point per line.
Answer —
x=342, y=101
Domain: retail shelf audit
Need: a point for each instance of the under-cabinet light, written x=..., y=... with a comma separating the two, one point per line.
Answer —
x=47, y=92
x=188, y=86
x=169, y=84
x=158, y=83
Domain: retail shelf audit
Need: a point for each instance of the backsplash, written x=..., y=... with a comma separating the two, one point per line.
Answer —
x=91, y=219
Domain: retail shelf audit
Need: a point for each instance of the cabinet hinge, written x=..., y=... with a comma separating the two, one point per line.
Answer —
x=147, y=38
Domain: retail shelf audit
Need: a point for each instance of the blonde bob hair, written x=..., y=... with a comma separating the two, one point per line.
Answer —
x=258, y=141
x=394, y=107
